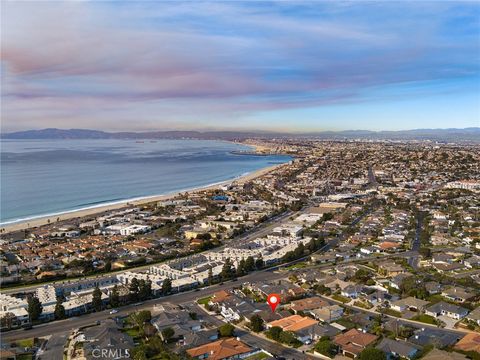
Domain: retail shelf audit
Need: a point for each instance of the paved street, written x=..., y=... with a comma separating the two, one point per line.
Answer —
x=62, y=326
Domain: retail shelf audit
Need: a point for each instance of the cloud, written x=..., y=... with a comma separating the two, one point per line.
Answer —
x=149, y=64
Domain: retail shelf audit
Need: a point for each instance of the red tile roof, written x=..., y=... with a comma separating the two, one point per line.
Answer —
x=221, y=349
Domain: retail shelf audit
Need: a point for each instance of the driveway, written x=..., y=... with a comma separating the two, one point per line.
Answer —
x=53, y=350
x=450, y=323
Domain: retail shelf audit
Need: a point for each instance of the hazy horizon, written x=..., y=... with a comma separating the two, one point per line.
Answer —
x=291, y=67
x=218, y=129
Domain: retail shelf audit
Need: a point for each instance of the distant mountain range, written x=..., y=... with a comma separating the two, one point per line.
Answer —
x=441, y=135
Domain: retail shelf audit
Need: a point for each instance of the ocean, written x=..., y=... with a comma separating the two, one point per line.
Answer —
x=46, y=177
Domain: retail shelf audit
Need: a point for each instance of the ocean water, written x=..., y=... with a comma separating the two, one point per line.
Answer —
x=44, y=177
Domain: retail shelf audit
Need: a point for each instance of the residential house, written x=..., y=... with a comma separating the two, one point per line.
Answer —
x=390, y=269
x=328, y=313
x=268, y=315
x=410, y=303
x=443, y=268
x=442, y=258
x=219, y=297
x=433, y=287
x=439, y=338
x=235, y=308
x=443, y=308
x=474, y=316
x=389, y=246
x=197, y=338
x=353, y=342
x=470, y=342
x=107, y=337
x=314, y=332
x=397, y=281
x=395, y=349
x=352, y=291
x=472, y=262
x=307, y=304
x=457, y=294
x=368, y=250
x=285, y=289
x=379, y=297
x=176, y=319
x=292, y=323
x=229, y=348
x=303, y=327
x=437, y=354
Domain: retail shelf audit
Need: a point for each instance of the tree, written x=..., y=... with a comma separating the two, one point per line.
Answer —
x=326, y=347
x=144, y=316
x=327, y=216
x=249, y=264
x=372, y=354
x=210, y=276
x=226, y=330
x=166, y=286
x=362, y=275
x=88, y=267
x=259, y=263
x=97, y=299
x=34, y=308
x=145, y=289
x=139, y=353
x=134, y=290
x=312, y=245
x=298, y=252
x=114, y=297
x=256, y=323
x=241, y=268
x=228, y=270
x=288, y=337
x=59, y=312
x=108, y=266
x=8, y=320
x=408, y=284
x=274, y=333
x=167, y=334
x=425, y=252
x=139, y=319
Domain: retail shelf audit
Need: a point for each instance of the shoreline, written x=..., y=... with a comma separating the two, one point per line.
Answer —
x=51, y=219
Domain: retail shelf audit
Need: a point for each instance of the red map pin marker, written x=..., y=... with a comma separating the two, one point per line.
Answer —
x=273, y=300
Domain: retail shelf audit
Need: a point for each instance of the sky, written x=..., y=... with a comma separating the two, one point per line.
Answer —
x=292, y=66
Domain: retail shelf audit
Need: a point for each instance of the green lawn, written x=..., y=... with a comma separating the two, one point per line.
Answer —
x=204, y=301
x=299, y=265
x=25, y=357
x=341, y=298
x=25, y=343
x=435, y=298
x=133, y=332
x=363, y=305
x=392, y=312
x=345, y=322
x=427, y=319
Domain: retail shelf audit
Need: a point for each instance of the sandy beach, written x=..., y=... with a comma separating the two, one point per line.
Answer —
x=36, y=222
